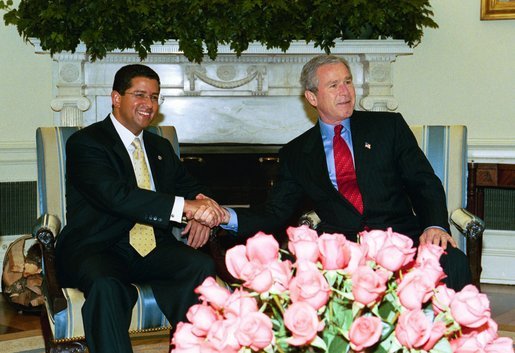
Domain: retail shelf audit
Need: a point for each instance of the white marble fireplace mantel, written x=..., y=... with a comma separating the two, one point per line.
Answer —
x=254, y=98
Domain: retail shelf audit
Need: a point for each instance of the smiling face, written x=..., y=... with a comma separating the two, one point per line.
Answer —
x=335, y=96
x=133, y=112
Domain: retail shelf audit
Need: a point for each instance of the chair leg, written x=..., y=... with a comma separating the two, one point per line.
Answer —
x=53, y=347
x=474, y=251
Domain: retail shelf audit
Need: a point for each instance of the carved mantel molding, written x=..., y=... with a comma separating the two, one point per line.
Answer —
x=262, y=99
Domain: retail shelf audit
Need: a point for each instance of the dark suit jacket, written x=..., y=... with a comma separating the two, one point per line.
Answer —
x=398, y=185
x=103, y=200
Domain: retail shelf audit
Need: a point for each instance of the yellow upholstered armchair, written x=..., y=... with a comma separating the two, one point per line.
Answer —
x=446, y=149
x=61, y=317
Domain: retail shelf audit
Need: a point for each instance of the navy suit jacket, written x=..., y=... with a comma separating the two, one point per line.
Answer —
x=397, y=183
x=103, y=200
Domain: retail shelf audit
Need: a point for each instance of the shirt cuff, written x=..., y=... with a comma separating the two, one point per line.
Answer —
x=177, y=210
x=232, y=225
x=437, y=227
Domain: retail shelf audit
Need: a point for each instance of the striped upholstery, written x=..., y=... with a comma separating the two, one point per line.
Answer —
x=446, y=148
x=51, y=163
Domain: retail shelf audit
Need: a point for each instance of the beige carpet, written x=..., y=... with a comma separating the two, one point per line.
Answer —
x=32, y=342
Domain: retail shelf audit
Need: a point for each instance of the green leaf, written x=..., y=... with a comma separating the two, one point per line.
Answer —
x=338, y=345
x=201, y=25
x=442, y=346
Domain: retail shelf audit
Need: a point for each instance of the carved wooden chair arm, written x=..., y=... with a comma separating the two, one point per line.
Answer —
x=45, y=230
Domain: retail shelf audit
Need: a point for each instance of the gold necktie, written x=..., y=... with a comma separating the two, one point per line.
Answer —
x=141, y=236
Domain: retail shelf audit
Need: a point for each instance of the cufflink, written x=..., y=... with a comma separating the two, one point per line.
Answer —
x=368, y=146
x=159, y=157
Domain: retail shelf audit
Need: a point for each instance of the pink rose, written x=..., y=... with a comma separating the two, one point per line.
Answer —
x=437, y=332
x=262, y=248
x=365, y=332
x=470, y=308
x=240, y=303
x=357, y=257
x=236, y=260
x=301, y=233
x=413, y=329
x=415, y=289
x=334, y=252
x=442, y=298
x=429, y=251
x=466, y=343
x=210, y=291
x=202, y=317
x=309, y=286
x=222, y=335
x=281, y=274
x=255, y=331
x=302, y=320
x=184, y=339
x=397, y=251
x=485, y=333
x=257, y=277
x=303, y=243
x=368, y=285
x=500, y=345
x=432, y=269
x=373, y=240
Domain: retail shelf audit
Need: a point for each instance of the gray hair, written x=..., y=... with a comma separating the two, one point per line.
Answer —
x=308, y=77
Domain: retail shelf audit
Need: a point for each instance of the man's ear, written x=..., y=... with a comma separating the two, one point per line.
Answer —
x=116, y=99
x=311, y=97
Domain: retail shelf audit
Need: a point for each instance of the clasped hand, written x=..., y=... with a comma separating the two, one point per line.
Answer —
x=205, y=210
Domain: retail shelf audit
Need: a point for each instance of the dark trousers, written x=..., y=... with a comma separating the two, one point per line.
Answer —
x=173, y=271
x=456, y=266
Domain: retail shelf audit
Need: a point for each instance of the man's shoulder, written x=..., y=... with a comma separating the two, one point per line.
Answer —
x=92, y=132
x=362, y=115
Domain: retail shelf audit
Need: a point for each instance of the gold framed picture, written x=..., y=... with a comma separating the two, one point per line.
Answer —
x=497, y=9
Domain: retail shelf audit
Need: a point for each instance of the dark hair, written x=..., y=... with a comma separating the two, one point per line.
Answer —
x=124, y=76
x=308, y=77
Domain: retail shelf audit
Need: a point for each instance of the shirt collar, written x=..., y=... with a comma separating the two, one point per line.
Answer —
x=327, y=130
x=125, y=135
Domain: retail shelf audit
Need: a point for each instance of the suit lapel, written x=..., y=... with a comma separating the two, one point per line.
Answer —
x=154, y=159
x=113, y=139
x=315, y=161
x=362, y=148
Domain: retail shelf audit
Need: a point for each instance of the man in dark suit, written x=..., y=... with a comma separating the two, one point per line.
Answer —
x=107, y=201
x=397, y=186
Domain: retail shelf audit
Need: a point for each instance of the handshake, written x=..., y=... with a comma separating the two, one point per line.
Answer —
x=206, y=211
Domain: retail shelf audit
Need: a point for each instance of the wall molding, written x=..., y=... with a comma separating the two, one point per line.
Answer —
x=17, y=161
x=491, y=150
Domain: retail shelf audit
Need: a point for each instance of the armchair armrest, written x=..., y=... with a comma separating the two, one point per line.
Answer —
x=468, y=224
x=45, y=230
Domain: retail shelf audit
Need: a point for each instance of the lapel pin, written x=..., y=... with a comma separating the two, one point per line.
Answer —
x=159, y=157
x=367, y=145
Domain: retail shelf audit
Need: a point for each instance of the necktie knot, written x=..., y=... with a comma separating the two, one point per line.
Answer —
x=137, y=148
x=338, y=130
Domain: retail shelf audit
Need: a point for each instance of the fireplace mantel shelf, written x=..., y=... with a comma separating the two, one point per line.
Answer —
x=252, y=98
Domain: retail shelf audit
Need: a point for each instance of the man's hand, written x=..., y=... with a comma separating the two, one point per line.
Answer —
x=438, y=237
x=204, y=210
x=198, y=234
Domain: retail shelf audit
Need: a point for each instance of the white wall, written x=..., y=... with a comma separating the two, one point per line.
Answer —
x=461, y=73
x=25, y=94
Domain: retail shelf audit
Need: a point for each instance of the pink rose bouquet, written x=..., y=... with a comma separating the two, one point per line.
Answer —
x=328, y=294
